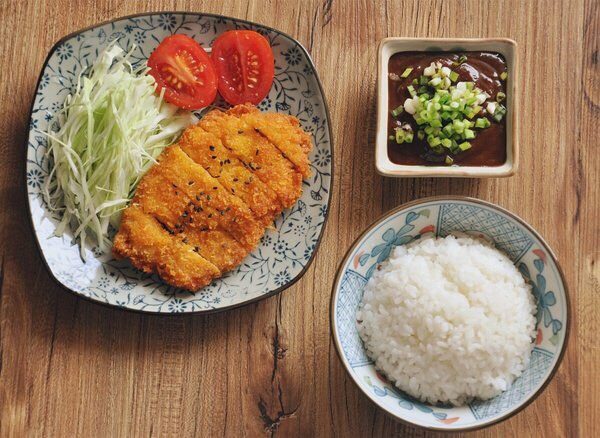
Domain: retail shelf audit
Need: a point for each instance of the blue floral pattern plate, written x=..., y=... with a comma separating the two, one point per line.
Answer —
x=440, y=217
x=285, y=251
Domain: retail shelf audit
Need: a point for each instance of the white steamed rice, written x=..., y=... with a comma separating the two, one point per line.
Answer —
x=448, y=320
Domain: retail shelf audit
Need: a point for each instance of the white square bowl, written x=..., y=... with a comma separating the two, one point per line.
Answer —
x=388, y=47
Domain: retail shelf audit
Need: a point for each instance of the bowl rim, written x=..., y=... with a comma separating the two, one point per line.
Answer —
x=410, y=204
x=508, y=169
x=271, y=293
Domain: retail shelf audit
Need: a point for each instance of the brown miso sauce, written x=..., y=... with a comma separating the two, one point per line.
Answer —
x=482, y=68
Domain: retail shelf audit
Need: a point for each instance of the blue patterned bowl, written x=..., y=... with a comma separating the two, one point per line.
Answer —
x=442, y=216
x=284, y=253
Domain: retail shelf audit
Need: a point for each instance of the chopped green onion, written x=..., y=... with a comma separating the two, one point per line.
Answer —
x=482, y=123
x=499, y=113
x=474, y=111
x=399, y=136
x=435, y=82
x=500, y=96
x=469, y=134
x=458, y=126
x=415, y=81
x=406, y=72
x=449, y=160
x=391, y=137
x=462, y=59
x=433, y=141
x=398, y=110
x=503, y=75
x=445, y=110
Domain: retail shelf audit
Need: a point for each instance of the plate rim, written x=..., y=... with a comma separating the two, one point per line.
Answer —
x=411, y=204
x=272, y=293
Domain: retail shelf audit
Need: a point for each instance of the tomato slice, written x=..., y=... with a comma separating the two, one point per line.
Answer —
x=185, y=71
x=245, y=66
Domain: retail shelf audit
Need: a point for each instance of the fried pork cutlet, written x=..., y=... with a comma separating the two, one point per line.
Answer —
x=217, y=246
x=207, y=150
x=143, y=240
x=213, y=206
x=283, y=131
x=257, y=153
x=205, y=205
x=158, y=197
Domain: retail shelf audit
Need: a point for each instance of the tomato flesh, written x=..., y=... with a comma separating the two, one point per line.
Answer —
x=245, y=66
x=184, y=70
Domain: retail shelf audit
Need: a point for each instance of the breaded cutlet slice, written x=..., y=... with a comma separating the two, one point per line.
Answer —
x=217, y=246
x=142, y=239
x=281, y=130
x=207, y=150
x=213, y=206
x=156, y=196
x=257, y=153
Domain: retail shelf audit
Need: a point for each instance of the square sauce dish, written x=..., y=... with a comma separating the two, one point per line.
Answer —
x=447, y=108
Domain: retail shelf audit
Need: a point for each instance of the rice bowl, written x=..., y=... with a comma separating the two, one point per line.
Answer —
x=439, y=217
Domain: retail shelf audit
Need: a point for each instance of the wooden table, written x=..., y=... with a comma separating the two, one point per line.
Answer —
x=69, y=367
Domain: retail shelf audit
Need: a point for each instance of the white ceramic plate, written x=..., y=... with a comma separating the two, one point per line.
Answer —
x=284, y=253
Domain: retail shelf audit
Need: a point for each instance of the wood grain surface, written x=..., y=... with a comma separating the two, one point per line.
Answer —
x=69, y=367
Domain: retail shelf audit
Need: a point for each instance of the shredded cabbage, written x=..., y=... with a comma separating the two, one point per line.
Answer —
x=109, y=132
